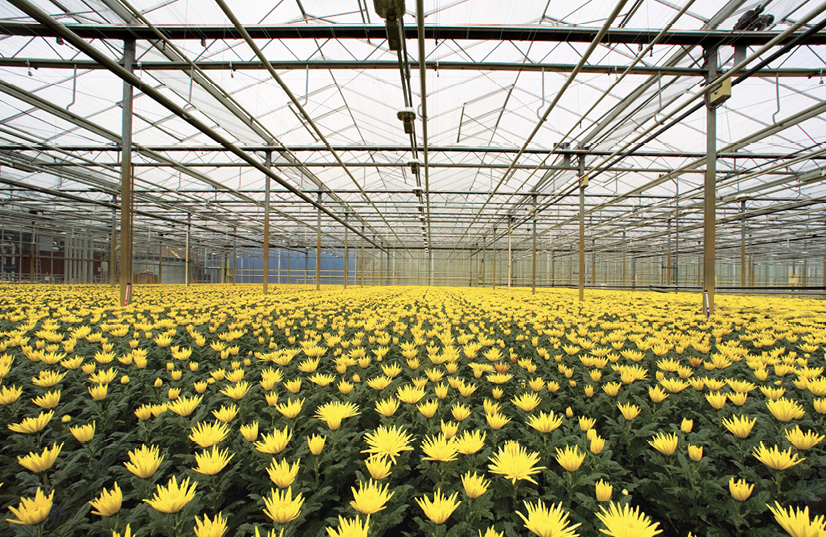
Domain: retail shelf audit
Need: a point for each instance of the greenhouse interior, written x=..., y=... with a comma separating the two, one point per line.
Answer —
x=578, y=241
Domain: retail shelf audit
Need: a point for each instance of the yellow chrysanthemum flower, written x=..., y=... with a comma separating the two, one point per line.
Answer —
x=236, y=391
x=604, y=491
x=664, y=443
x=527, y=401
x=32, y=425
x=144, y=461
x=281, y=507
x=439, y=449
x=740, y=489
x=785, y=410
x=316, y=444
x=440, y=508
x=803, y=441
x=333, y=412
x=184, y=406
x=282, y=473
x=210, y=462
x=776, y=459
x=796, y=521
x=109, y=502
x=548, y=522
x=83, y=433
x=740, y=426
x=40, y=462
x=48, y=400
x=208, y=434
x=378, y=466
x=226, y=413
x=626, y=522
x=370, y=498
x=474, y=484
x=629, y=411
x=390, y=441
x=570, y=458
x=275, y=442
x=515, y=463
x=350, y=528
x=172, y=497
x=210, y=528
x=32, y=511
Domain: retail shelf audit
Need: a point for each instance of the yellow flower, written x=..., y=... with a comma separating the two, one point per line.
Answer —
x=687, y=425
x=144, y=461
x=585, y=424
x=272, y=398
x=316, y=444
x=387, y=407
x=449, y=429
x=740, y=490
x=226, y=413
x=275, y=442
x=491, y=532
x=32, y=425
x=173, y=393
x=657, y=394
x=172, y=497
x=695, y=453
x=474, y=485
x=597, y=444
x=515, y=463
x=497, y=421
x=664, y=443
x=333, y=412
x=469, y=442
x=390, y=441
x=570, y=458
x=740, y=426
x=126, y=533
x=32, y=511
x=281, y=507
x=797, y=523
x=460, y=411
x=208, y=434
x=250, y=431
x=210, y=462
x=48, y=400
x=379, y=466
x=545, y=423
x=527, y=401
x=776, y=459
x=629, y=411
x=717, y=399
x=440, y=509
x=236, y=391
x=281, y=473
x=612, y=388
x=785, y=410
x=350, y=528
x=98, y=391
x=184, y=406
x=803, y=441
x=47, y=379
x=604, y=491
x=9, y=394
x=428, y=409
x=40, y=463
x=83, y=433
x=210, y=528
x=109, y=501
x=158, y=383
x=548, y=522
x=439, y=448
x=626, y=522
x=410, y=394
x=370, y=498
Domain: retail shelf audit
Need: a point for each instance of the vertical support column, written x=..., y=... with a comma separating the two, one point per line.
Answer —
x=234, y=255
x=160, y=258
x=32, y=255
x=266, y=267
x=113, y=243
x=387, y=258
x=470, y=268
x=676, y=232
x=362, y=256
x=318, y=246
x=553, y=268
x=668, y=266
x=373, y=262
x=593, y=261
x=710, y=186
x=494, y=259
x=346, y=249
x=742, y=243
x=187, y=260
x=126, y=179
x=583, y=182
x=533, y=249
x=623, y=258
x=381, y=267
x=306, y=265
x=510, y=251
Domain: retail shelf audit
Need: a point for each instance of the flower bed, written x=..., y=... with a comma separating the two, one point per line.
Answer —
x=407, y=411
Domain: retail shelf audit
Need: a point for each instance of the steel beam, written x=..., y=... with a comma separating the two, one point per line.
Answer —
x=710, y=190
x=266, y=279
x=534, y=33
x=126, y=180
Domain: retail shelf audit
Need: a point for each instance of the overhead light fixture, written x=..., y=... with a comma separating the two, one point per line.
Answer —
x=415, y=166
x=392, y=12
x=407, y=116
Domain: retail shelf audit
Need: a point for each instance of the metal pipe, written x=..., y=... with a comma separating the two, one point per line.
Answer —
x=423, y=76
x=266, y=279
x=318, y=247
x=126, y=269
